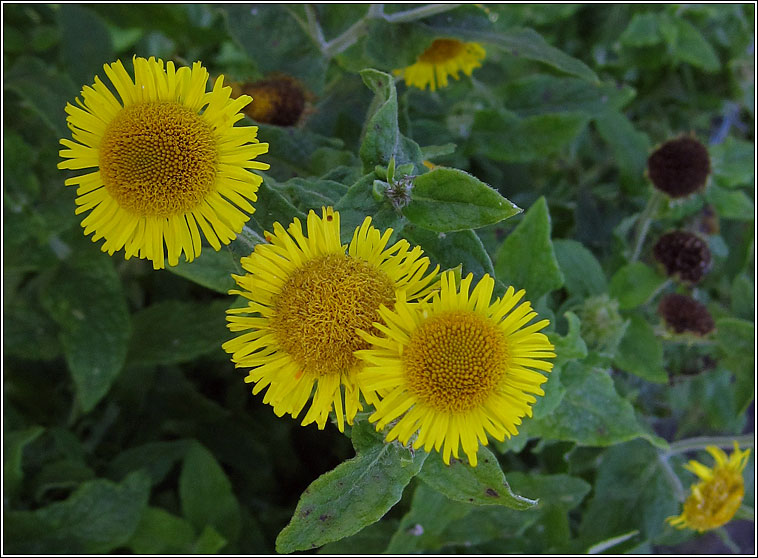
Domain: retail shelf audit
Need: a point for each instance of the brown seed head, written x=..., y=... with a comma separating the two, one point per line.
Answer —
x=679, y=167
x=684, y=314
x=683, y=254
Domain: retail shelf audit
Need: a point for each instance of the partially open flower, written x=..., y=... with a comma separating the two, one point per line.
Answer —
x=683, y=254
x=684, y=314
x=443, y=58
x=602, y=325
x=280, y=100
x=679, y=167
x=716, y=498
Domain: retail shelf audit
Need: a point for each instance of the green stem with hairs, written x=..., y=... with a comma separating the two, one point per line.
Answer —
x=643, y=223
x=693, y=444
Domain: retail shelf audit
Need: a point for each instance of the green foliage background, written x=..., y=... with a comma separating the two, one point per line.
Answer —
x=127, y=428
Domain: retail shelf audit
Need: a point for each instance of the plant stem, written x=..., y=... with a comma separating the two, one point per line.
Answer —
x=690, y=444
x=676, y=484
x=349, y=37
x=727, y=540
x=745, y=512
x=643, y=223
x=419, y=13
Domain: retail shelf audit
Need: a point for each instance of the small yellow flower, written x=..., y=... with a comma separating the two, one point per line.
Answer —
x=716, y=498
x=168, y=161
x=308, y=295
x=445, y=57
x=456, y=367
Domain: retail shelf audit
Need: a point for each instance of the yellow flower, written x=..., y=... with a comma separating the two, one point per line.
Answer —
x=716, y=498
x=445, y=57
x=168, y=161
x=307, y=296
x=456, y=367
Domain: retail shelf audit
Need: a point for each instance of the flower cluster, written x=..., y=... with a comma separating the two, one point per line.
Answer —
x=329, y=327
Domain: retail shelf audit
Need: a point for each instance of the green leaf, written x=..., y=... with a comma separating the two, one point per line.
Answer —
x=13, y=450
x=591, y=412
x=743, y=297
x=100, y=514
x=690, y=46
x=452, y=249
x=155, y=458
x=735, y=342
x=642, y=31
x=571, y=346
x=446, y=200
x=630, y=146
x=733, y=163
x=276, y=42
x=160, y=532
x=313, y=193
x=526, y=259
x=273, y=207
x=562, y=491
x=507, y=138
x=382, y=139
x=484, y=484
x=634, y=284
x=87, y=300
x=527, y=43
x=359, y=202
x=86, y=43
x=293, y=150
x=212, y=270
x=173, y=331
x=546, y=94
x=369, y=540
x=355, y=494
x=206, y=495
x=730, y=204
x=583, y=276
x=632, y=490
x=43, y=89
x=210, y=541
x=641, y=352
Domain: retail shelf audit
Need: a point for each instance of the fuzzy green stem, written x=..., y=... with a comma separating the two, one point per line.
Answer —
x=420, y=12
x=745, y=512
x=692, y=444
x=727, y=540
x=676, y=484
x=643, y=223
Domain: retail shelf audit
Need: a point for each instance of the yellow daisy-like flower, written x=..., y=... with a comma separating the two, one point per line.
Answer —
x=168, y=161
x=456, y=367
x=716, y=498
x=445, y=57
x=308, y=294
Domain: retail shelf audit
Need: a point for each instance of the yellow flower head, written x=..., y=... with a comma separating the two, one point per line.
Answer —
x=168, y=161
x=307, y=296
x=456, y=367
x=716, y=498
x=445, y=57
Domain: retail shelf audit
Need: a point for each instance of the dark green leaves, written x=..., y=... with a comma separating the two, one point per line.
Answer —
x=505, y=137
x=526, y=259
x=206, y=494
x=634, y=284
x=484, y=484
x=641, y=351
x=86, y=298
x=97, y=518
x=445, y=200
x=355, y=494
x=382, y=139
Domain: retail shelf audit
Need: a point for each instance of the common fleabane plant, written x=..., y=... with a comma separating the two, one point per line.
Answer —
x=487, y=271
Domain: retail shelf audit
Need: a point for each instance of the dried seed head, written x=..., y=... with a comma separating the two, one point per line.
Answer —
x=683, y=254
x=684, y=314
x=679, y=167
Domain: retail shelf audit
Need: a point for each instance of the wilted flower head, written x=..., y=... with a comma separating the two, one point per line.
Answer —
x=716, y=498
x=685, y=315
x=280, y=100
x=679, y=167
x=683, y=254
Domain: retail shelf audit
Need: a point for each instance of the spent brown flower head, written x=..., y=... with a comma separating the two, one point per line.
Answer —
x=679, y=167
x=684, y=314
x=683, y=254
